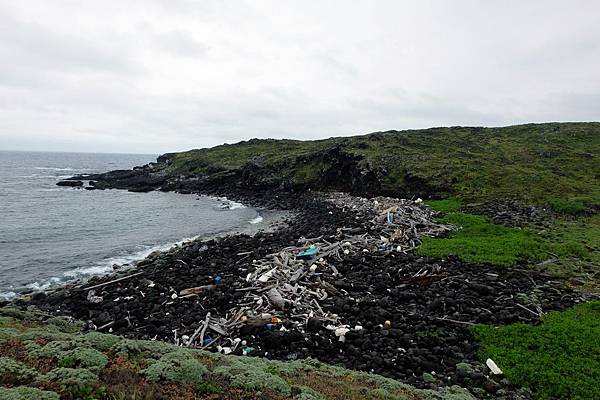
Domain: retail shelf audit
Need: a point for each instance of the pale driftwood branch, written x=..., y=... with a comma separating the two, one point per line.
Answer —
x=113, y=281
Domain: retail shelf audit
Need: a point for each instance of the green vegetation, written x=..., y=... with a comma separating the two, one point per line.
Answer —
x=569, y=248
x=177, y=366
x=557, y=359
x=47, y=358
x=26, y=393
x=479, y=241
x=446, y=205
x=536, y=163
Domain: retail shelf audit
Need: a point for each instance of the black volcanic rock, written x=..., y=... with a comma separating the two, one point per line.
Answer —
x=70, y=183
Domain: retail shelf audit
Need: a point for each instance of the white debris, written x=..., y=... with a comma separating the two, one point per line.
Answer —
x=493, y=367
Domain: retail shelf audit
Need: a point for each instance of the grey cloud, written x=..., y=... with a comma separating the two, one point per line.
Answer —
x=25, y=44
x=168, y=75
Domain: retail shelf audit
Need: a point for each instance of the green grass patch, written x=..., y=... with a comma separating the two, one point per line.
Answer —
x=559, y=359
x=479, y=241
x=446, y=205
x=573, y=206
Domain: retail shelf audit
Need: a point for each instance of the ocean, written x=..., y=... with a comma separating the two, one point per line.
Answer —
x=51, y=235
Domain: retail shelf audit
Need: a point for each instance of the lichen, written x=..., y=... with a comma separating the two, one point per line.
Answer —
x=48, y=332
x=26, y=393
x=70, y=377
x=100, y=341
x=12, y=371
x=6, y=321
x=130, y=348
x=178, y=366
x=65, y=324
x=7, y=334
x=53, y=349
x=257, y=377
x=307, y=393
x=84, y=358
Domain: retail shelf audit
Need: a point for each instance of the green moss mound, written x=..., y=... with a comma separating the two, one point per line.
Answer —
x=251, y=375
x=559, y=359
x=84, y=358
x=70, y=377
x=178, y=366
x=27, y=393
x=15, y=372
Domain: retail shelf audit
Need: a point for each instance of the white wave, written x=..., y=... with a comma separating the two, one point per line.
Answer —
x=44, y=285
x=106, y=266
x=256, y=220
x=45, y=176
x=54, y=169
x=227, y=204
x=7, y=295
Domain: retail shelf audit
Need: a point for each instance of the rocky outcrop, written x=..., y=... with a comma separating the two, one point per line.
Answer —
x=70, y=183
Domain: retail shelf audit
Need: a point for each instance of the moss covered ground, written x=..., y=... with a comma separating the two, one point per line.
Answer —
x=559, y=358
x=48, y=358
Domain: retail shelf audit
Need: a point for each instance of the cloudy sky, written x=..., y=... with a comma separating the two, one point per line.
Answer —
x=151, y=76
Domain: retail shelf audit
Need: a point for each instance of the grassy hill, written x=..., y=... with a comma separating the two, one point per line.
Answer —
x=554, y=163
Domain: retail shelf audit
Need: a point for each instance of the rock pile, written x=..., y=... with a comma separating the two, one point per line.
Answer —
x=339, y=284
x=510, y=212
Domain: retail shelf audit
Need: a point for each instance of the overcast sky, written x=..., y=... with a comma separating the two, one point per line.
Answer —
x=151, y=76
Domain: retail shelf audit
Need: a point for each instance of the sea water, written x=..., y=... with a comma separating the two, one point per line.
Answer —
x=50, y=235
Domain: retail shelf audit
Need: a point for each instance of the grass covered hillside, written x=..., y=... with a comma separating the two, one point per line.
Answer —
x=554, y=163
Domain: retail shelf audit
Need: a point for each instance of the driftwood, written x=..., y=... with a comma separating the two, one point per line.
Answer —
x=197, y=290
x=287, y=285
x=113, y=281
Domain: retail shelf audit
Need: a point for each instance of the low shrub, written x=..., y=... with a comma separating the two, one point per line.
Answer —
x=238, y=373
x=26, y=393
x=179, y=366
x=100, y=341
x=70, y=377
x=558, y=359
x=83, y=358
x=14, y=372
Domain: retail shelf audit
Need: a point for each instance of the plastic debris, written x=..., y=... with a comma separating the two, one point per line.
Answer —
x=308, y=253
x=493, y=367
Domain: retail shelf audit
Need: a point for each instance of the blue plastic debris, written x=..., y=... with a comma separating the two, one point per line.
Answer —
x=390, y=218
x=218, y=278
x=308, y=253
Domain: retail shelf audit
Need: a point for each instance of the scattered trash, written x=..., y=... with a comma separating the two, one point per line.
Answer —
x=308, y=253
x=197, y=290
x=493, y=367
x=92, y=298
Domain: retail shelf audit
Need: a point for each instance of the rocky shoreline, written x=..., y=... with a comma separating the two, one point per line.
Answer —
x=415, y=328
